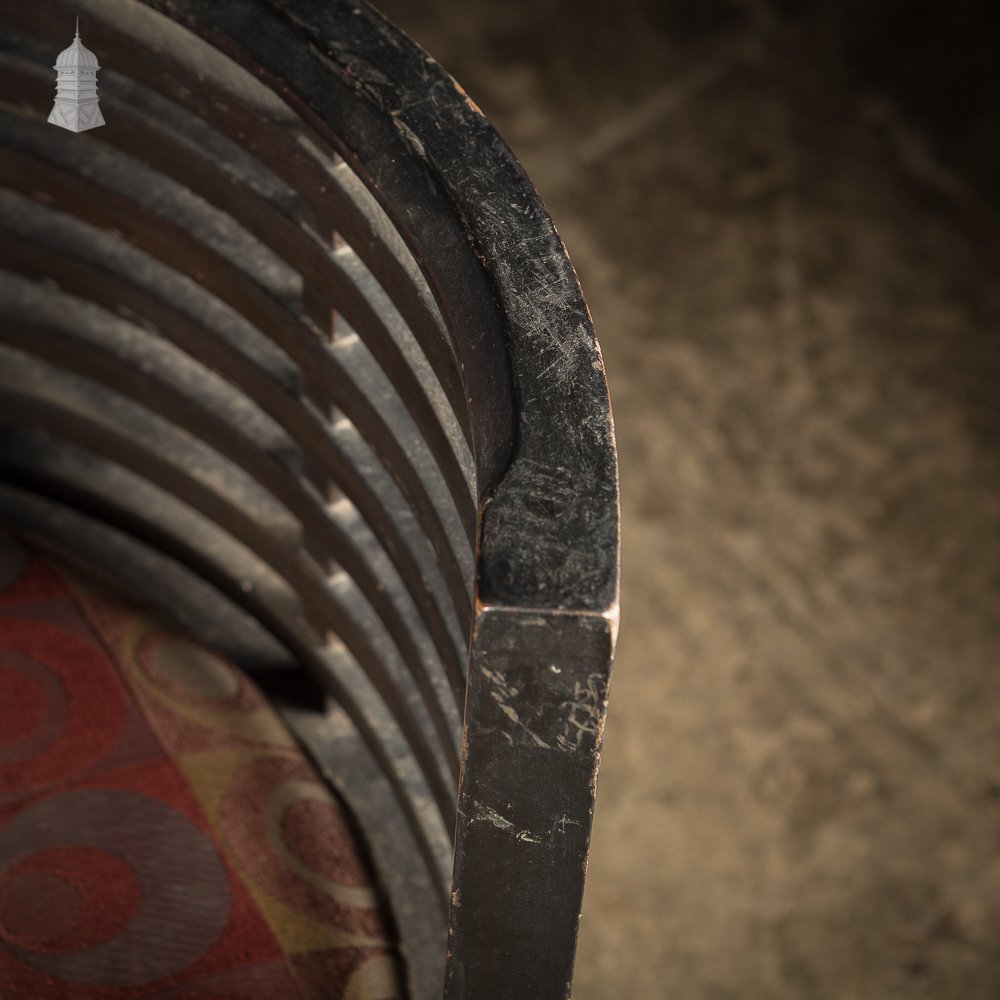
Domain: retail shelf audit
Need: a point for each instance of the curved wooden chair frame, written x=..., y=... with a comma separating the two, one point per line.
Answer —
x=291, y=348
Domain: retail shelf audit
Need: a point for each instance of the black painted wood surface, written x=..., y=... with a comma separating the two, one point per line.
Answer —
x=293, y=333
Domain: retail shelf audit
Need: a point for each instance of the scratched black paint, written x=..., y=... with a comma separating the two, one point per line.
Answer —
x=544, y=616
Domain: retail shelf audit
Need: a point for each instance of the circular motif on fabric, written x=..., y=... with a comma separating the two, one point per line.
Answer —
x=25, y=700
x=197, y=696
x=71, y=712
x=191, y=671
x=66, y=898
x=35, y=708
x=314, y=831
x=36, y=907
x=279, y=820
x=162, y=901
x=267, y=979
x=378, y=977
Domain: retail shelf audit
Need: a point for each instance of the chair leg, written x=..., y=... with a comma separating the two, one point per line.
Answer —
x=538, y=699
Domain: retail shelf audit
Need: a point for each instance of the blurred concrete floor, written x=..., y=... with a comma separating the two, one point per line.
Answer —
x=784, y=216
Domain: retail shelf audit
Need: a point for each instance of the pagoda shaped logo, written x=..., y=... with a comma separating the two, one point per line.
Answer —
x=76, y=106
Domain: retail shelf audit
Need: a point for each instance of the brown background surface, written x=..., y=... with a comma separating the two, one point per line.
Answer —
x=784, y=216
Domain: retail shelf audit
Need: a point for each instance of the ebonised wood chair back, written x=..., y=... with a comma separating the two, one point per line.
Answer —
x=291, y=348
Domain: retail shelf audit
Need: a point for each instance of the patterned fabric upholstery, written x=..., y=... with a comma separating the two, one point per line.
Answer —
x=161, y=835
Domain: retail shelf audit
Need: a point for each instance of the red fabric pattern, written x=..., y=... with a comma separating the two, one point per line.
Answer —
x=161, y=835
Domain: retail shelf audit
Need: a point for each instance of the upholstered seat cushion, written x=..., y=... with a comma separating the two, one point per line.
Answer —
x=161, y=834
